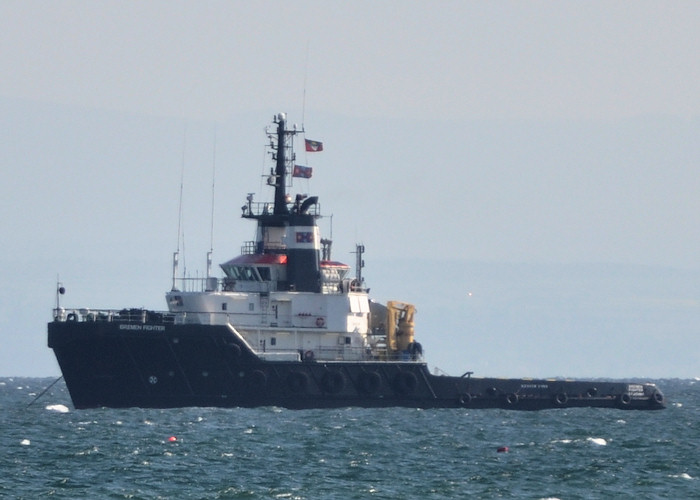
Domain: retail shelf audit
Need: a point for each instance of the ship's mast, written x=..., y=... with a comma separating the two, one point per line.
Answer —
x=284, y=138
x=359, y=263
x=288, y=228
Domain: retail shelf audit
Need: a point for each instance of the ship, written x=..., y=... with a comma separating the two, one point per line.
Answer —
x=286, y=326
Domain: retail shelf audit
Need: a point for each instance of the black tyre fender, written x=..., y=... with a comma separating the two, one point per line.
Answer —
x=405, y=383
x=369, y=382
x=333, y=381
x=258, y=380
x=297, y=381
x=234, y=350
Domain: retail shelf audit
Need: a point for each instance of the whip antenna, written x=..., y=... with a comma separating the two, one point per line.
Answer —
x=176, y=255
x=213, y=184
x=303, y=99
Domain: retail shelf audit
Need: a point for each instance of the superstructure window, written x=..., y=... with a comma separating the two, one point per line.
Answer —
x=243, y=273
x=264, y=273
x=248, y=274
x=334, y=274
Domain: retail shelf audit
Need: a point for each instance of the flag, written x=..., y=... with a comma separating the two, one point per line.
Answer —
x=301, y=171
x=313, y=146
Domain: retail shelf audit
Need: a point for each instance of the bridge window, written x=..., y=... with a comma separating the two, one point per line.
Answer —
x=242, y=273
x=265, y=273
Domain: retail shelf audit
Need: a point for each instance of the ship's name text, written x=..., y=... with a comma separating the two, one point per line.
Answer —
x=157, y=328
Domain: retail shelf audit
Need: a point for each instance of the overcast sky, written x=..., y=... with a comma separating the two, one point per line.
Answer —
x=528, y=133
x=415, y=60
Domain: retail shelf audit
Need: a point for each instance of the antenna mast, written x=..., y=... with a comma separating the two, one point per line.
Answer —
x=359, y=263
x=213, y=184
x=176, y=255
x=303, y=101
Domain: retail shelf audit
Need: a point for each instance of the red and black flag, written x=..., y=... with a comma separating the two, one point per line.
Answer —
x=313, y=146
x=302, y=171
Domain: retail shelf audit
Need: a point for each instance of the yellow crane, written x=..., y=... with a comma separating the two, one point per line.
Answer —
x=400, y=326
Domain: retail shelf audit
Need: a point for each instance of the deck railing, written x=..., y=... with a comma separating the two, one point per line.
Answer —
x=210, y=284
x=114, y=315
x=319, y=353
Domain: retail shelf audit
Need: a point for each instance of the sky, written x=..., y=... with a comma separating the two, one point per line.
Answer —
x=526, y=172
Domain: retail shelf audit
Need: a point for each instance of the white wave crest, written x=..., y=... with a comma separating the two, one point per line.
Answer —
x=598, y=441
x=58, y=408
x=684, y=475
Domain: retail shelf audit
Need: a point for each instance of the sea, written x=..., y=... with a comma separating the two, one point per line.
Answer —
x=50, y=449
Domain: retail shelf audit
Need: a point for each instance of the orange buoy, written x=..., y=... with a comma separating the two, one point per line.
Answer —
x=172, y=439
x=502, y=449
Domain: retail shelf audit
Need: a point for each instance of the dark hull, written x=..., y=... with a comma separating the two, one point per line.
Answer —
x=119, y=365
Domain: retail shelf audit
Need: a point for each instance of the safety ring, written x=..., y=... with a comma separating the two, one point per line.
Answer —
x=561, y=399
x=320, y=322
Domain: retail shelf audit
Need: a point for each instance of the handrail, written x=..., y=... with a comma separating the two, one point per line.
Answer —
x=157, y=320
x=210, y=284
x=114, y=315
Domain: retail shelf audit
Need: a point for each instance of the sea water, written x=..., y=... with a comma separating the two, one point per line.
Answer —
x=49, y=448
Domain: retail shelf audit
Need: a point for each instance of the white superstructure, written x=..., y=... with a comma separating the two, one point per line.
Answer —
x=283, y=295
